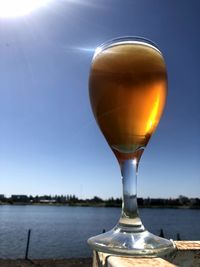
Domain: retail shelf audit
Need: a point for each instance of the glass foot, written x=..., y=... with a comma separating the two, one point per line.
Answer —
x=126, y=242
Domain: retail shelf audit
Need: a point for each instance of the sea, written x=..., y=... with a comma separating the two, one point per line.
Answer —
x=62, y=231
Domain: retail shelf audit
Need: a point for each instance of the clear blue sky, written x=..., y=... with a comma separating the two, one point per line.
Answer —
x=49, y=141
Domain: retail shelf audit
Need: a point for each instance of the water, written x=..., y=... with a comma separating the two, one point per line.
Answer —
x=61, y=232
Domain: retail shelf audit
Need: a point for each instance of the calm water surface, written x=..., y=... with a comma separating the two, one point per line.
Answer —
x=61, y=232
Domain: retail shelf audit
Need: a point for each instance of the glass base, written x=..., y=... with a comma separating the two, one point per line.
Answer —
x=123, y=241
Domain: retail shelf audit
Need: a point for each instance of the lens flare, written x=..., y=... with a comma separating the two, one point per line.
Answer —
x=16, y=8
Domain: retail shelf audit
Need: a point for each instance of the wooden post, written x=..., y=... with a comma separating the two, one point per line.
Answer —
x=161, y=233
x=27, y=244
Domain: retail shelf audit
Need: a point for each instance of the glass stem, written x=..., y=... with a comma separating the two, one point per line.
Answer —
x=130, y=216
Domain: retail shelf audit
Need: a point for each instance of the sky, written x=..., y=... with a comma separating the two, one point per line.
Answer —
x=49, y=140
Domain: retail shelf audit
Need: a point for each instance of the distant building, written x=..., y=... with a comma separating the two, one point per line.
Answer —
x=195, y=202
x=48, y=201
x=19, y=198
x=2, y=197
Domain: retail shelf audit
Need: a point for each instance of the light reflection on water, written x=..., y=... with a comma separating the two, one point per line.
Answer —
x=61, y=232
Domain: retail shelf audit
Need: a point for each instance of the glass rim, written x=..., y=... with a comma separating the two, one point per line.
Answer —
x=126, y=40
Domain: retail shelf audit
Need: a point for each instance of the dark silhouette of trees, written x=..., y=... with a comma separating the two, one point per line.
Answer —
x=181, y=201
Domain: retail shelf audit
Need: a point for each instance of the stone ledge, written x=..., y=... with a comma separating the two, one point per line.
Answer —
x=187, y=255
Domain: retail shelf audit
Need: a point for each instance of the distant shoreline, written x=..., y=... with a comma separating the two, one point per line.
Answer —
x=182, y=202
x=96, y=205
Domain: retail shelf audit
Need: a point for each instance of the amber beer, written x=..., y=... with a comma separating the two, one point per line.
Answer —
x=128, y=87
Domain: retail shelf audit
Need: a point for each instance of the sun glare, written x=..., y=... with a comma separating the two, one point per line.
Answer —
x=16, y=8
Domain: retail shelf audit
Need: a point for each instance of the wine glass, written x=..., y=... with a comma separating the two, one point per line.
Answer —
x=128, y=89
